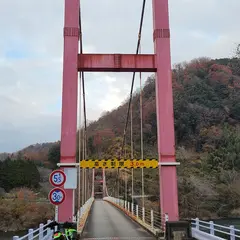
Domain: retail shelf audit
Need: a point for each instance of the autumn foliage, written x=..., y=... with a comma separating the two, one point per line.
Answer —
x=207, y=118
x=19, y=210
x=207, y=128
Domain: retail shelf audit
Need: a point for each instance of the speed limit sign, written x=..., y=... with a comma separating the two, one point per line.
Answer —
x=56, y=196
x=57, y=178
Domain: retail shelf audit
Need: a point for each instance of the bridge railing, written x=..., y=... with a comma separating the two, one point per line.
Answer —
x=45, y=233
x=148, y=218
x=82, y=215
x=41, y=233
x=210, y=230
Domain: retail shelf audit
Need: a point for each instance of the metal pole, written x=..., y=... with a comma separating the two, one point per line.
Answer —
x=73, y=208
x=83, y=171
x=85, y=179
x=125, y=186
x=118, y=184
x=79, y=146
x=126, y=183
x=56, y=213
x=141, y=116
x=103, y=178
x=93, y=182
x=132, y=147
x=56, y=216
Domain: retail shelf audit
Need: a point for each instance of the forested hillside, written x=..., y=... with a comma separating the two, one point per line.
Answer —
x=207, y=130
x=23, y=194
x=207, y=120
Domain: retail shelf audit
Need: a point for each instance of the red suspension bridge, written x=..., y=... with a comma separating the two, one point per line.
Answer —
x=160, y=63
x=74, y=61
x=115, y=217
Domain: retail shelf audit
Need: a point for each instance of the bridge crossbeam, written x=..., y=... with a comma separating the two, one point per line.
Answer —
x=116, y=63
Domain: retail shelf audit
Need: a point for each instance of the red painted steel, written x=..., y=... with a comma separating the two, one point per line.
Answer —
x=160, y=62
x=164, y=102
x=104, y=183
x=116, y=63
x=69, y=98
x=93, y=185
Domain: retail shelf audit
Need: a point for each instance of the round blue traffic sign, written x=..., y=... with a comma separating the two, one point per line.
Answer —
x=57, y=178
x=56, y=196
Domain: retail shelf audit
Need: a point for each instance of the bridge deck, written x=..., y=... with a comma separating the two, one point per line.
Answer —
x=107, y=222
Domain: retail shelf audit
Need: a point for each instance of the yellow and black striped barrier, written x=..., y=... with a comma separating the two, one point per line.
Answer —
x=119, y=163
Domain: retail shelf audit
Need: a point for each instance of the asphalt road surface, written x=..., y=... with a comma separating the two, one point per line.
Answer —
x=106, y=222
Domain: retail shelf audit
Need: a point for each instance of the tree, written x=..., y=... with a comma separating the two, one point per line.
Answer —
x=238, y=51
x=227, y=153
x=54, y=155
x=18, y=173
x=91, y=146
x=115, y=150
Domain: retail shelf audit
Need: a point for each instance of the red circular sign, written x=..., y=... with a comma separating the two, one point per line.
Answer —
x=57, y=196
x=57, y=178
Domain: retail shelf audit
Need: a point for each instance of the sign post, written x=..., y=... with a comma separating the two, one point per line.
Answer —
x=56, y=216
x=57, y=195
x=56, y=213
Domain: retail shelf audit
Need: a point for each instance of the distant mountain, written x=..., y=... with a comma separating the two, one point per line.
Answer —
x=37, y=152
x=38, y=147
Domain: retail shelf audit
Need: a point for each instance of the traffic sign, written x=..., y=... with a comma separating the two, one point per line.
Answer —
x=57, y=178
x=119, y=163
x=56, y=196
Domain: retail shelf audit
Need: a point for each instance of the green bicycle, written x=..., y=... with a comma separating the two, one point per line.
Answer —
x=66, y=231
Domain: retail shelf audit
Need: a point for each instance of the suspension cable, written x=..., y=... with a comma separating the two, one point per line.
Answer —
x=83, y=80
x=141, y=120
x=132, y=147
x=83, y=171
x=79, y=145
x=126, y=182
x=86, y=170
x=84, y=110
x=132, y=85
x=134, y=73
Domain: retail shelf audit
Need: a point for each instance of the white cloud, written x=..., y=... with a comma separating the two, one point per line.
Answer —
x=31, y=49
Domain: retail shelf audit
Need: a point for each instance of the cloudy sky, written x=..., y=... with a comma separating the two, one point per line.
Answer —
x=31, y=46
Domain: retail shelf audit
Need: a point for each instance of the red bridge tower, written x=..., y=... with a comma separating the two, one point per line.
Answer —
x=160, y=62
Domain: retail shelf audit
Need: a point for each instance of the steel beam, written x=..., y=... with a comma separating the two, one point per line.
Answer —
x=116, y=63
